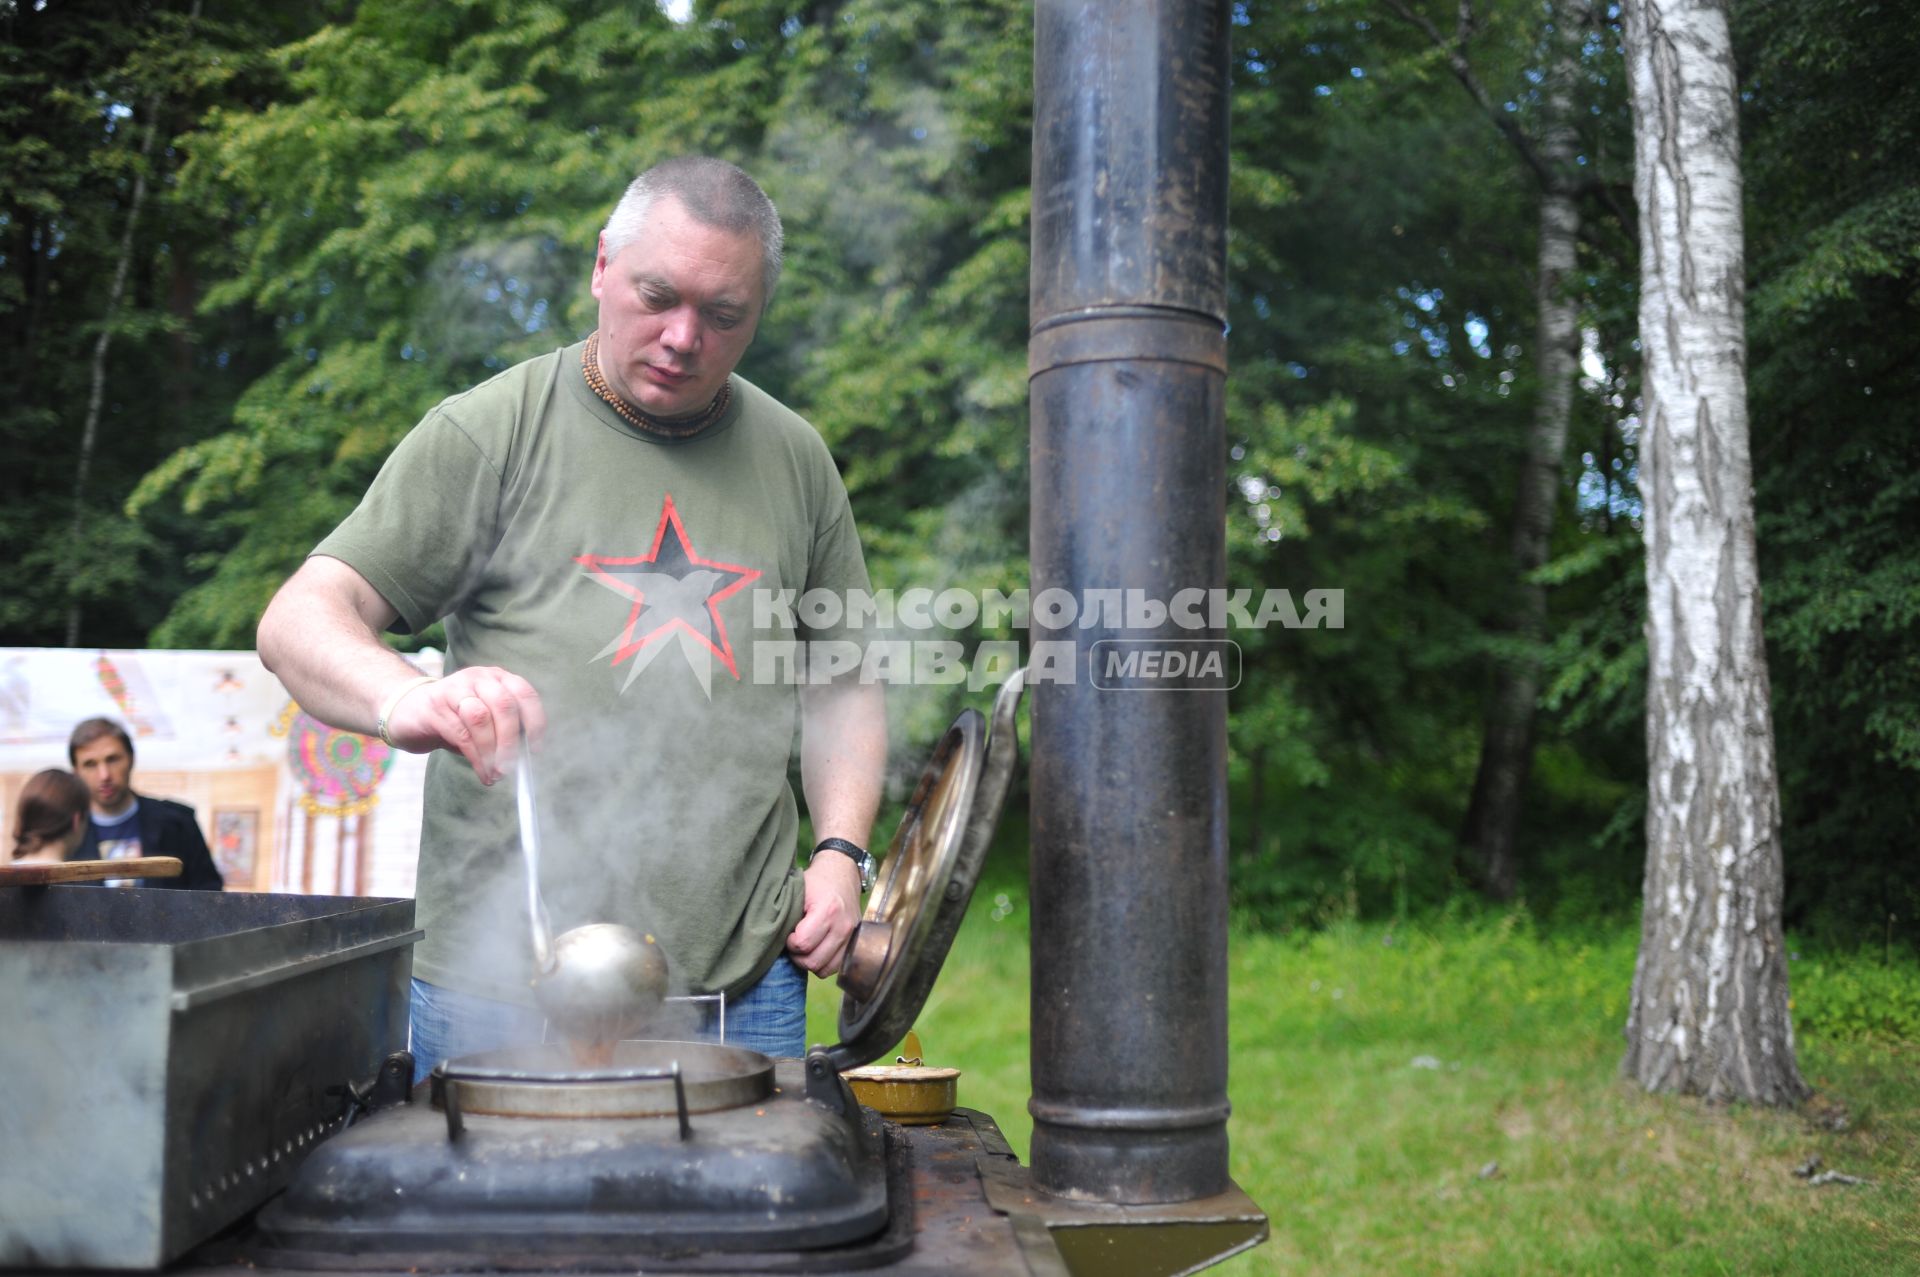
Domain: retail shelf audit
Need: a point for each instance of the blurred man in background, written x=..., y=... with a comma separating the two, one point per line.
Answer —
x=123, y=824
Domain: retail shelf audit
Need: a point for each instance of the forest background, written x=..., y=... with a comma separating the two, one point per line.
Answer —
x=244, y=247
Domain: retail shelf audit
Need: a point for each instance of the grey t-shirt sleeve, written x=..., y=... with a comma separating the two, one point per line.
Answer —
x=424, y=531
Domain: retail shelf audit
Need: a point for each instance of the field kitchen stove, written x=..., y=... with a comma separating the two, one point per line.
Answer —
x=519, y=1153
x=666, y=1155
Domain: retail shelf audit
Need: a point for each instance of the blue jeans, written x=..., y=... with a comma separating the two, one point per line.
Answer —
x=771, y=1018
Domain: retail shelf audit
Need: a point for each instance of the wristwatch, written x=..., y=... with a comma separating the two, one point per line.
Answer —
x=859, y=855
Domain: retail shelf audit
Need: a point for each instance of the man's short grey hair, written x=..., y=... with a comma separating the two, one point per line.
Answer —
x=715, y=193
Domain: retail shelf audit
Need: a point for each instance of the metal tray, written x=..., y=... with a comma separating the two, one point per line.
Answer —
x=168, y=1058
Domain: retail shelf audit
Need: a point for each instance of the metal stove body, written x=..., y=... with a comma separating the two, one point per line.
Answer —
x=677, y=1147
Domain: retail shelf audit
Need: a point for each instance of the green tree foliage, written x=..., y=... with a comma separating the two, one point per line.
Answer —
x=83, y=86
x=1387, y=308
x=1834, y=228
x=899, y=152
x=417, y=210
x=423, y=203
x=358, y=211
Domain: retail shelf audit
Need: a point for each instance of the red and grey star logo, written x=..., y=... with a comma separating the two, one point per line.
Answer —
x=674, y=592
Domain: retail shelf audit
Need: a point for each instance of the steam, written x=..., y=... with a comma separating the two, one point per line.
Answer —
x=490, y=304
x=962, y=551
x=635, y=806
x=869, y=188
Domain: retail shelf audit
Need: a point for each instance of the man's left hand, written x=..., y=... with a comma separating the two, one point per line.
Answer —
x=831, y=911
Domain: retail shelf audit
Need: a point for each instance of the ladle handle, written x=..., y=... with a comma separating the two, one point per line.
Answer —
x=530, y=852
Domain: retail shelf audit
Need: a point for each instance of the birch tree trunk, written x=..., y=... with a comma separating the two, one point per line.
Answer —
x=1708, y=1013
x=1506, y=751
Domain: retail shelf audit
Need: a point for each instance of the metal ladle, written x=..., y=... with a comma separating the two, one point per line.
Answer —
x=597, y=983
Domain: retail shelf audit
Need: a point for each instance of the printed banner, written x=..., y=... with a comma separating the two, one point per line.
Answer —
x=286, y=802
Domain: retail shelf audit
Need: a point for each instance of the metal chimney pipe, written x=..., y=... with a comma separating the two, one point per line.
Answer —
x=1127, y=367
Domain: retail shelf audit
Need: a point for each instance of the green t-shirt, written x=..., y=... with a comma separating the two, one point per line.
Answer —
x=616, y=571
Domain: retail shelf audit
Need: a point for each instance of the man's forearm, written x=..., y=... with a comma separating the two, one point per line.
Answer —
x=321, y=635
x=318, y=636
x=843, y=758
x=843, y=761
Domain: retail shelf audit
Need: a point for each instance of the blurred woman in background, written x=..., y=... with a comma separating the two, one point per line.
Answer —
x=51, y=817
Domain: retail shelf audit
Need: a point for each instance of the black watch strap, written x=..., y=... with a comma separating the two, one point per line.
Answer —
x=855, y=852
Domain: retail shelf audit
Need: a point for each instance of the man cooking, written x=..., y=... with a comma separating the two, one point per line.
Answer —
x=592, y=526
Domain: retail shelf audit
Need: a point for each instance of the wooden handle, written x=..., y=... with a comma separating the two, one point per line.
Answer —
x=39, y=875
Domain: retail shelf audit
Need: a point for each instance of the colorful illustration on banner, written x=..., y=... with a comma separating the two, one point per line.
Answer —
x=128, y=688
x=339, y=772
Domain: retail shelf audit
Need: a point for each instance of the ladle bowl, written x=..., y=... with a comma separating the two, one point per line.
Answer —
x=597, y=983
x=607, y=981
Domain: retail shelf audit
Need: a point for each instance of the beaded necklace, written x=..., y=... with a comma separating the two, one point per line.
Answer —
x=670, y=427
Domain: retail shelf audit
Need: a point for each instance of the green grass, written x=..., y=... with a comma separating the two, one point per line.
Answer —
x=1368, y=1162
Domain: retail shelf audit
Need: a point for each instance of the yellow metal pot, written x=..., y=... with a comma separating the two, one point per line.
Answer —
x=910, y=1094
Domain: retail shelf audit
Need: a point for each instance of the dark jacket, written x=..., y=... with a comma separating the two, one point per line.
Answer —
x=166, y=829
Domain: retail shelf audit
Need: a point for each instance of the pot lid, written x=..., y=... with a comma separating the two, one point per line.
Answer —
x=926, y=881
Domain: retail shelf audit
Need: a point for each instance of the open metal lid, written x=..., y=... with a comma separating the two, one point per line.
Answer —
x=925, y=882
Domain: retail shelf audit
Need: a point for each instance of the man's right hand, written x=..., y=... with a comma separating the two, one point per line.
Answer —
x=478, y=712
